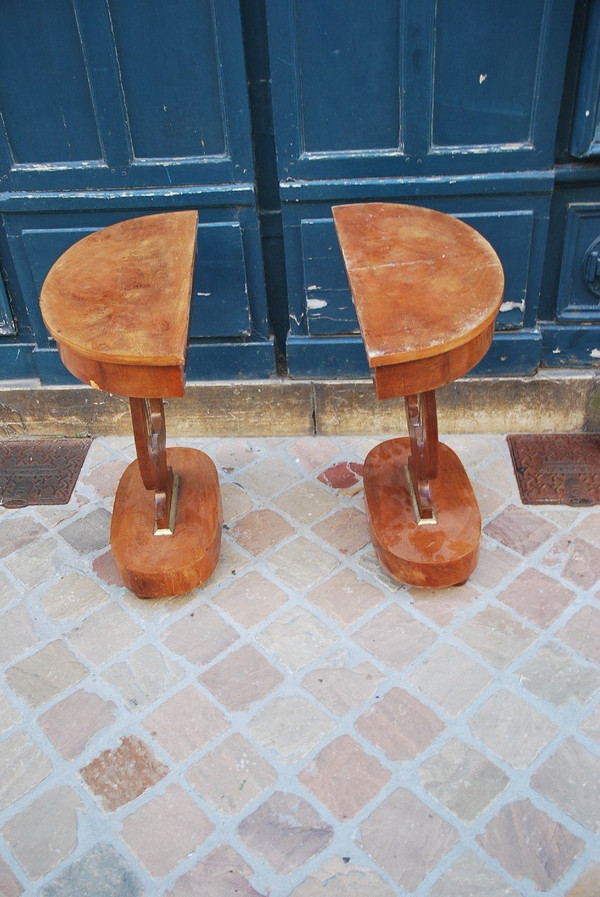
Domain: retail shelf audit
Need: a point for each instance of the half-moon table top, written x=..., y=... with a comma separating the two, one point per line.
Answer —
x=117, y=303
x=423, y=283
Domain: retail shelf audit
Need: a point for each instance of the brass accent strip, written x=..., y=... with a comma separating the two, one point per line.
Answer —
x=421, y=521
x=173, y=510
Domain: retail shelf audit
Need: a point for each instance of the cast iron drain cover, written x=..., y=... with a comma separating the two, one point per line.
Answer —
x=39, y=471
x=557, y=469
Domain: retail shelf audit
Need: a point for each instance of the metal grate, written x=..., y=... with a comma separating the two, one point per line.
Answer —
x=561, y=469
x=40, y=471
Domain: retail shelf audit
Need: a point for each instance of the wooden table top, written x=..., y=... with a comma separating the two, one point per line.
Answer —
x=122, y=294
x=422, y=282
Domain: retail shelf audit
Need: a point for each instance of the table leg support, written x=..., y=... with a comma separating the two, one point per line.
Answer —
x=167, y=519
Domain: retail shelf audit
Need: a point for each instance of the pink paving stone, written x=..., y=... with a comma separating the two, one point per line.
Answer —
x=344, y=475
x=235, y=501
x=285, y=830
x=345, y=598
x=342, y=689
x=347, y=530
x=496, y=636
x=301, y=563
x=9, y=885
x=494, y=564
x=259, y=531
x=469, y=876
x=144, y=676
x=582, y=633
x=105, y=568
x=72, y=722
x=406, y=838
x=17, y=633
x=45, y=833
x=297, y=638
x=307, y=502
x=250, y=599
x=537, y=597
x=588, y=883
x=400, y=725
x=442, y=606
x=104, y=478
x=520, y=530
x=591, y=725
x=242, y=678
x=340, y=877
x=570, y=778
x=166, y=830
x=267, y=477
x=22, y=767
x=223, y=873
x=119, y=775
x=344, y=778
x=233, y=453
x=200, y=636
x=184, y=723
x=312, y=452
x=395, y=637
x=450, y=679
x=232, y=775
x=530, y=844
x=578, y=560
x=16, y=532
x=512, y=729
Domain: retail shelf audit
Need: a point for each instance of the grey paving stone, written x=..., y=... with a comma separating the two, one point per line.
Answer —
x=102, y=872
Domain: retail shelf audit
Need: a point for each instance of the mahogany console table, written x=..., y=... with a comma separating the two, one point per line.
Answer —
x=118, y=303
x=427, y=289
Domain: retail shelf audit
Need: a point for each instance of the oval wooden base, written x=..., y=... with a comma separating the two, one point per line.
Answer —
x=162, y=566
x=430, y=555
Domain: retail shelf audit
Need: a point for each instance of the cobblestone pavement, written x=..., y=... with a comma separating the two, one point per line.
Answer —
x=301, y=725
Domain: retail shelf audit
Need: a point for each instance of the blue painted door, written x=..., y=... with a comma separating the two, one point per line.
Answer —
x=117, y=108
x=452, y=104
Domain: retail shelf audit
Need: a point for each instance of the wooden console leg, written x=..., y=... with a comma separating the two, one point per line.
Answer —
x=166, y=524
x=423, y=515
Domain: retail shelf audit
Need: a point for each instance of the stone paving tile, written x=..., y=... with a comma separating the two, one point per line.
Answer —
x=552, y=674
x=143, y=677
x=395, y=637
x=72, y=722
x=497, y=636
x=222, y=873
x=104, y=634
x=520, y=529
x=400, y=725
x=406, y=838
x=200, y=636
x=537, y=597
x=242, y=678
x=40, y=847
x=89, y=533
x=296, y=638
x=582, y=633
x=342, y=689
x=262, y=724
x=17, y=633
x=261, y=530
x=571, y=779
x=462, y=779
x=72, y=596
x=512, y=729
x=22, y=767
x=530, y=844
x=345, y=598
x=344, y=778
x=102, y=872
x=45, y=674
x=290, y=726
x=250, y=599
x=9, y=884
x=119, y=775
x=450, y=679
x=347, y=530
x=286, y=830
x=301, y=563
x=165, y=830
x=469, y=876
x=184, y=723
x=232, y=775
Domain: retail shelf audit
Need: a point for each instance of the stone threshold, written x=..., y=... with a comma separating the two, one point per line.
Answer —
x=550, y=402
